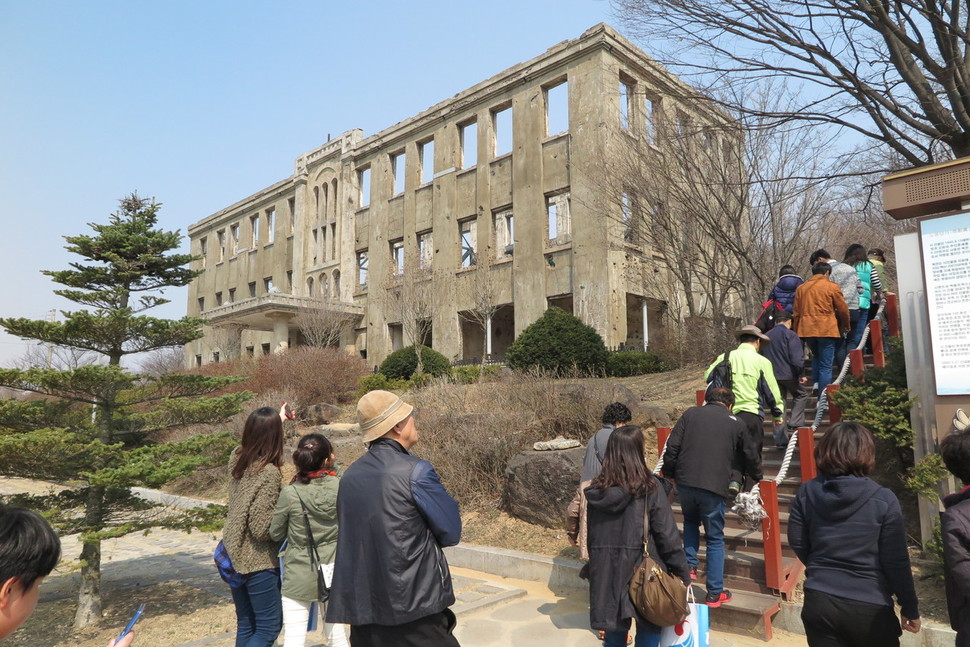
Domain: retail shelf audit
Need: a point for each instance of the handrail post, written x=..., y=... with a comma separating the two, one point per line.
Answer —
x=771, y=536
x=892, y=314
x=875, y=338
x=806, y=453
x=663, y=433
x=700, y=396
x=835, y=413
x=856, y=362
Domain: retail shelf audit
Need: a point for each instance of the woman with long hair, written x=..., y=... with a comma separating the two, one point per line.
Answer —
x=848, y=531
x=313, y=489
x=253, y=491
x=855, y=255
x=615, y=507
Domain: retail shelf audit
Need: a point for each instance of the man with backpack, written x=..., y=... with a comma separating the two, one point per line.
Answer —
x=788, y=359
x=751, y=378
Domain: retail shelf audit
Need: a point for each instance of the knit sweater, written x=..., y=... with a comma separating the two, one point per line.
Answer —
x=252, y=500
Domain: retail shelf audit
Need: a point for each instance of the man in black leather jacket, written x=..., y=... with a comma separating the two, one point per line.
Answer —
x=391, y=581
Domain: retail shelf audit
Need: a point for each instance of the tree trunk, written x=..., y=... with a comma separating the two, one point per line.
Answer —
x=89, y=596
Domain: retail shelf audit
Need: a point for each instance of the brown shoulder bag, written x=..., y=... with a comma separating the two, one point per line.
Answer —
x=658, y=596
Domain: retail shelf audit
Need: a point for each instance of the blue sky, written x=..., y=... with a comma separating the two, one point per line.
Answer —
x=200, y=104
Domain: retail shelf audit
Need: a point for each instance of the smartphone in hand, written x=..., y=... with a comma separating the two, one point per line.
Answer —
x=288, y=412
x=131, y=623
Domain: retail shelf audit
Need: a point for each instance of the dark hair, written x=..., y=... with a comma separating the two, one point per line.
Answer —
x=955, y=450
x=785, y=269
x=29, y=547
x=821, y=268
x=782, y=316
x=747, y=338
x=846, y=448
x=262, y=441
x=817, y=254
x=855, y=254
x=722, y=395
x=310, y=454
x=616, y=412
x=878, y=254
x=623, y=463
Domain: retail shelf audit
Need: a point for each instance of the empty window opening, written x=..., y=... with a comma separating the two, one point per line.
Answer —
x=468, y=232
x=557, y=109
x=252, y=288
x=468, y=140
x=309, y=286
x=234, y=235
x=398, y=163
x=250, y=351
x=323, y=243
x=502, y=131
x=627, y=92
x=425, y=250
x=215, y=357
x=426, y=158
x=333, y=241
x=362, y=268
x=336, y=284
x=203, y=248
x=232, y=295
x=363, y=182
x=221, y=236
x=626, y=213
x=324, y=286
x=268, y=286
x=652, y=123
x=289, y=281
x=264, y=348
x=316, y=245
x=270, y=225
x=557, y=215
x=201, y=304
x=395, y=332
x=504, y=234
x=218, y=298
x=254, y=228
x=198, y=360
x=397, y=256
x=291, y=208
x=317, y=206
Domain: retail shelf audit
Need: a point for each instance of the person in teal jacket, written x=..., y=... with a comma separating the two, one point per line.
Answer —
x=753, y=383
x=315, y=487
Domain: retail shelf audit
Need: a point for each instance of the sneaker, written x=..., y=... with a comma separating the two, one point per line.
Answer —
x=715, y=600
x=693, y=573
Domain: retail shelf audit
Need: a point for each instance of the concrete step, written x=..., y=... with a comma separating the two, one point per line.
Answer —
x=748, y=612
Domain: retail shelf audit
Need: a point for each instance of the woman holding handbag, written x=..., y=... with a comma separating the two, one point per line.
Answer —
x=306, y=516
x=617, y=500
x=253, y=491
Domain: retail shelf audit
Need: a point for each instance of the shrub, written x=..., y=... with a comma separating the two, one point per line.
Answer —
x=402, y=364
x=380, y=382
x=634, y=362
x=472, y=374
x=558, y=342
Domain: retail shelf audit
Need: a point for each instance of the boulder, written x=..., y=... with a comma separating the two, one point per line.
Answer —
x=540, y=485
x=322, y=414
x=654, y=416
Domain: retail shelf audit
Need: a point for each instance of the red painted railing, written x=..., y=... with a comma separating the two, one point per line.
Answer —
x=806, y=453
x=835, y=413
x=771, y=536
x=875, y=338
x=892, y=314
x=856, y=363
x=699, y=396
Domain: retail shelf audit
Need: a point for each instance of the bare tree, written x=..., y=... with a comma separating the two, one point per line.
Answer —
x=894, y=72
x=61, y=358
x=410, y=300
x=323, y=325
x=163, y=361
x=482, y=292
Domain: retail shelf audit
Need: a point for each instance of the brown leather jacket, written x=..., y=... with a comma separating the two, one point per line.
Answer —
x=820, y=309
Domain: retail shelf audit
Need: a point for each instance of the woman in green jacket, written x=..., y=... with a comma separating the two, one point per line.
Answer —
x=313, y=487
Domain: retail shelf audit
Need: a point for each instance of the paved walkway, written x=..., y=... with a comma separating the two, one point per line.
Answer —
x=492, y=611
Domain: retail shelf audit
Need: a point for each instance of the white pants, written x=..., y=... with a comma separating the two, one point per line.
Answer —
x=296, y=617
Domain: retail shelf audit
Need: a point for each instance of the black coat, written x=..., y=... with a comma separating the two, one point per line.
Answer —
x=615, y=542
x=956, y=558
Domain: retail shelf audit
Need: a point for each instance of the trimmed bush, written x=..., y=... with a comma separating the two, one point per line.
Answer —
x=634, y=362
x=401, y=364
x=472, y=374
x=558, y=342
x=380, y=382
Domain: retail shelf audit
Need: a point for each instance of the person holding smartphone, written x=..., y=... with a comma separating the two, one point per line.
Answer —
x=253, y=491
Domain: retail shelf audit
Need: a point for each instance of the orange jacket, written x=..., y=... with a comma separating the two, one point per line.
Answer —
x=820, y=309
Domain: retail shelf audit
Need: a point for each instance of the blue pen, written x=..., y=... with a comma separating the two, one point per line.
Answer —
x=131, y=623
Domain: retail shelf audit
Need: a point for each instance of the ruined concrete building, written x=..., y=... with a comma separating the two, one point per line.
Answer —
x=456, y=227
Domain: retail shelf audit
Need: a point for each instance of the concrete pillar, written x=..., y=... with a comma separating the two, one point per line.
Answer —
x=646, y=324
x=281, y=332
x=300, y=237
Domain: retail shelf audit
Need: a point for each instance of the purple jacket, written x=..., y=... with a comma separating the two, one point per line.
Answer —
x=784, y=290
x=785, y=353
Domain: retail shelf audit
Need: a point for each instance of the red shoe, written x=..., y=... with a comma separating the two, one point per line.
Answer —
x=693, y=573
x=715, y=600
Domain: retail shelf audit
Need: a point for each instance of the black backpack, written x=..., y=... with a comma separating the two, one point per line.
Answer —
x=766, y=320
x=720, y=375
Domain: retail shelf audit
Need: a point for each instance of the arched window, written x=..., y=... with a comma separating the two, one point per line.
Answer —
x=309, y=286
x=316, y=201
x=326, y=201
x=336, y=284
x=324, y=286
x=334, y=194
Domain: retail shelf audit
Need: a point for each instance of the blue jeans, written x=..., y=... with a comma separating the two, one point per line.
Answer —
x=704, y=507
x=843, y=348
x=858, y=328
x=259, y=609
x=823, y=350
x=644, y=638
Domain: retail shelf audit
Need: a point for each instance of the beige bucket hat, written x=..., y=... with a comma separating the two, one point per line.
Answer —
x=752, y=330
x=378, y=412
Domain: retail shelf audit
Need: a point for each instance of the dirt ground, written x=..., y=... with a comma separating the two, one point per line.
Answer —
x=181, y=612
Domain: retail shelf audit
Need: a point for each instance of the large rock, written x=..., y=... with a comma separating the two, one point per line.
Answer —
x=540, y=485
x=322, y=414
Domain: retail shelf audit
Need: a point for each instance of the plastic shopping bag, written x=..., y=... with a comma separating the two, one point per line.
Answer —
x=694, y=631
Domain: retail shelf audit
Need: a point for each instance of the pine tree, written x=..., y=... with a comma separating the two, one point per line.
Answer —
x=101, y=427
